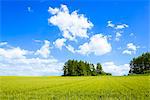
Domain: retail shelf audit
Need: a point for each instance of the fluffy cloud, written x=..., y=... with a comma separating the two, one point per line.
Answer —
x=131, y=49
x=44, y=51
x=30, y=66
x=127, y=52
x=109, y=24
x=13, y=53
x=131, y=46
x=98, y=45
x=59, y=43
x=117, y=26
x=71, y=24
x=116, y=69
x=118, y=29
x=121, y=26
x=84, y=49
x=118, y=35
x=17, y=61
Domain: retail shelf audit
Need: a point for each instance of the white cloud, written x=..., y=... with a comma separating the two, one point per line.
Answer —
x=118, y=35
x=29, y=9
x=98, y=45
x=13, y=53
x=70, y=48
x=17, y=61
x=84, y=49
x=3, y=43
x=71, y=24
x=38, y=41
x=109, y=37
x=116, y=69
x=131, y=34
x=30, y=66
x=127, y=52
x=131, y=49
x=44, y=51
x=109, y=24
x=59, y=43
x=131, y=46
x=121, y=26
x=53, y=10
x=116, y=26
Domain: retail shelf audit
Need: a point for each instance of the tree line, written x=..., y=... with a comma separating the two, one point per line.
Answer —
x=82, y=68
x=140, y=64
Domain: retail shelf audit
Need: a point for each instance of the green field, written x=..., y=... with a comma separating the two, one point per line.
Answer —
x=75, y=88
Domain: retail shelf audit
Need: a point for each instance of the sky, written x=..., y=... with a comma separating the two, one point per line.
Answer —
x=38, y=36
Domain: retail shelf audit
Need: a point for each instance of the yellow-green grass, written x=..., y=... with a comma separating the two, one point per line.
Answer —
x=75, y=88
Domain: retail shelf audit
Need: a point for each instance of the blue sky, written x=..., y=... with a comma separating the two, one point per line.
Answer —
x=111, y=32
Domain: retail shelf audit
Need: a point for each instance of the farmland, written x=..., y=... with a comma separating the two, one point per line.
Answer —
x=75, y=88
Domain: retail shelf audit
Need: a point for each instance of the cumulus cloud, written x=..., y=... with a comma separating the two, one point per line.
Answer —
x=44, y=51
x=116, y=69
x=98, y=45
x=17, y=61
x=56, y=10
x=116, y=26
x=84, y=49
x=128, y=52
x=59, y=43
x=118, y=29
x=109, y=24
x=131, y=49
x=121, y=26
x=30, y=66
x=71, y=24
x=131, y=46
x=13, y=53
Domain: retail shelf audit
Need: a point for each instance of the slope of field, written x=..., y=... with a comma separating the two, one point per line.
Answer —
x=75, y=88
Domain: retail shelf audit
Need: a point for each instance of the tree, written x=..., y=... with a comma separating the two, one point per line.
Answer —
x=141, y=64
x=81, y=68
x=99, y=68
x=93, y=70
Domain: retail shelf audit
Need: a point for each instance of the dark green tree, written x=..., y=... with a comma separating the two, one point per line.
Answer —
x=99, y=68
x=81, y=68
x=93, y=70
x=141, y=64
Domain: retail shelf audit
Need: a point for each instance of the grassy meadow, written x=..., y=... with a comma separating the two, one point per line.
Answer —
x=75, y=88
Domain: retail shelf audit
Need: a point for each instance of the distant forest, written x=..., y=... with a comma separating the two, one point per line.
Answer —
x=81, y=68
x=139, y=65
